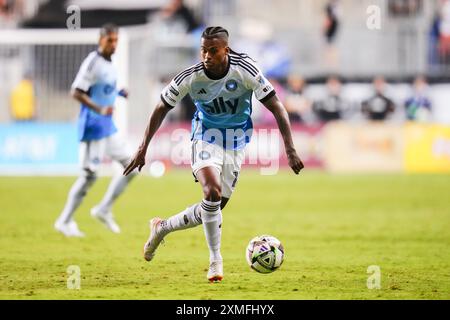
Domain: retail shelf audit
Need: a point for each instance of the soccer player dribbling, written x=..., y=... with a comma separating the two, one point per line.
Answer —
x=221, y=87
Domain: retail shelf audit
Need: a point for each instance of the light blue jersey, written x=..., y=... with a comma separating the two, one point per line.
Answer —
x=224, y=106
x=97, y=77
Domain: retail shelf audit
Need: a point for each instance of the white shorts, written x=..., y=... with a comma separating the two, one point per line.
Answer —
x=93, y=152
x=227, y=162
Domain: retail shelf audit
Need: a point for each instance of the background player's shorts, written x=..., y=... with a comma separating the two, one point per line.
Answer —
x=227, y=162
x=93, y=152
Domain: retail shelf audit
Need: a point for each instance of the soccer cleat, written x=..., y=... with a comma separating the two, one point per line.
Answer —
x=157, y=235
x=106, y=218
x=69, y=229
x=215, y=272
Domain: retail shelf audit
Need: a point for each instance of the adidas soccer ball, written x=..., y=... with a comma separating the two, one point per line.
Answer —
x=265, y=254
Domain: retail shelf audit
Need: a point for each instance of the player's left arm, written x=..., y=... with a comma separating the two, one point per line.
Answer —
x=265, y=93
x=274, y=105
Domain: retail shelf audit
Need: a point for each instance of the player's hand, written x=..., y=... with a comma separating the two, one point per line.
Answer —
x=107, y=111
x=124, y=93
x=138, y=161
x=294, y=161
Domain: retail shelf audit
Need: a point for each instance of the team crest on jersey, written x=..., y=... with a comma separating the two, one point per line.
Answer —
x=108, y=89
x=204, y=155
x=260, y=80
x=231, y=85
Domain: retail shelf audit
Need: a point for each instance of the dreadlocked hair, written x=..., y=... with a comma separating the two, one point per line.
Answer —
x=213, y=32
x=217, y=32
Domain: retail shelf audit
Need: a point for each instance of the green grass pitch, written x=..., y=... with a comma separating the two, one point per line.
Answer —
x=333, y=228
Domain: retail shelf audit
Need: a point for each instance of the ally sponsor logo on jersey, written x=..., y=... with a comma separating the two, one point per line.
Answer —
x=219, y=105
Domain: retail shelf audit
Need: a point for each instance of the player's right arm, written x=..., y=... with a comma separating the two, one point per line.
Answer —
x=170, y=96
x=154, y=123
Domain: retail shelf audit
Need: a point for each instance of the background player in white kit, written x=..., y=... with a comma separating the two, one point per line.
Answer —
x=95, y=88
x=221, y=87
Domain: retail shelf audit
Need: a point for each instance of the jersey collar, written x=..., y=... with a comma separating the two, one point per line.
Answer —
x=100, y=54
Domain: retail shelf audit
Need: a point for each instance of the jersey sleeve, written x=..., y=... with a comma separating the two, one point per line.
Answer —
x=174, y=92
x=261, y=87
x=86, y=75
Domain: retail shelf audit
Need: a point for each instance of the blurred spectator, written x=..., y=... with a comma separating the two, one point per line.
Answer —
x=275, y=58
x=22, y=100
x=258, y=39
x=418, y=107
x=379, y=106
x=444, y=31
x=333, y=106
x=330, y=30
x=7, y=13
x=12, y=12
x=5, y=6
x=405, y=7
x=331, y=24
x=433, y=38
x=297, y=105
x=177, y=10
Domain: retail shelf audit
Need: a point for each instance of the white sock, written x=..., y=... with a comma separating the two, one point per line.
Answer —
x=115, y=189
x=189, y=218
x=75, y=197
x=212, y=225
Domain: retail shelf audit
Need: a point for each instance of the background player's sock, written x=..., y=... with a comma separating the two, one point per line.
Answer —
x=212, y=225
x=76, y=195
x=189, y=218
x=115, y=189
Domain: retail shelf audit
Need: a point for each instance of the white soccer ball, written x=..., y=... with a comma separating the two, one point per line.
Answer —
x=157, y=169
x=265, y=254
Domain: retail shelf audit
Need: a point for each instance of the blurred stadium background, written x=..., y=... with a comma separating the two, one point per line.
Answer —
x=363, y=94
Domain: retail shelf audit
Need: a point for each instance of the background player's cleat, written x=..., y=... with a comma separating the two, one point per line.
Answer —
x=106, y=218
x=69, y=229
x=157, y=235
x=215, y=272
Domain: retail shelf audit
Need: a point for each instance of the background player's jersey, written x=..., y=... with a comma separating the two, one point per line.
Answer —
x=97, y=77
x=222, y=104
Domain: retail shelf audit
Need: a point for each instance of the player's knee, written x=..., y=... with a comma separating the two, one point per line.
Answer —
x=84, y=182
x=212, y=192
x=90, y=176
